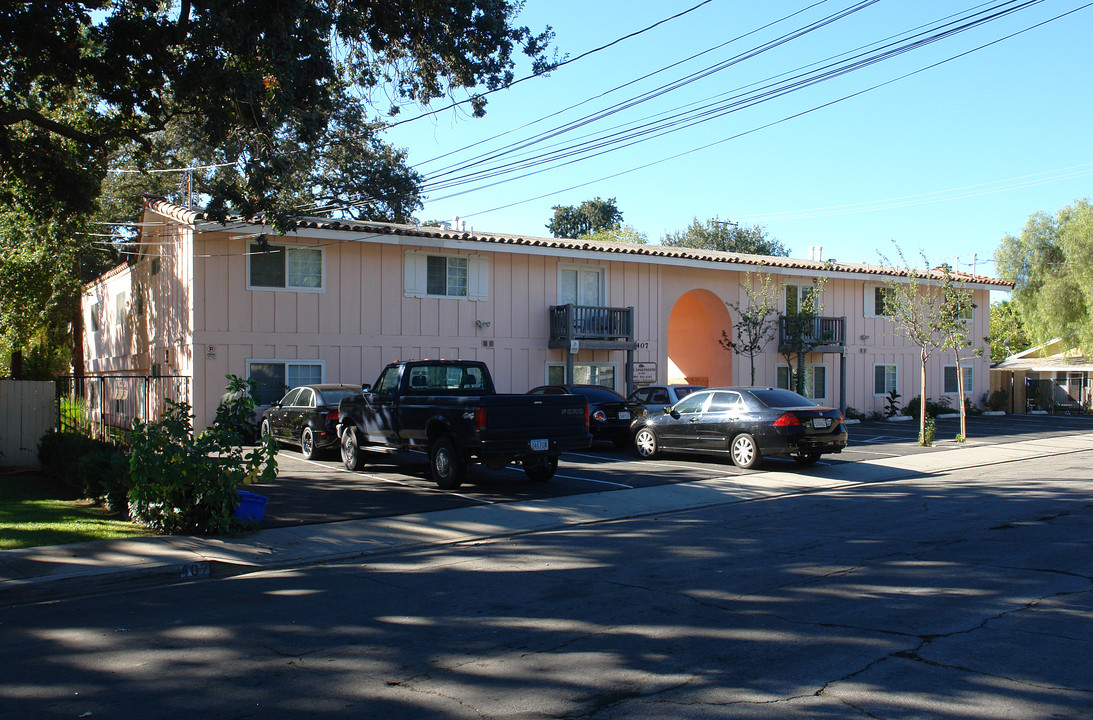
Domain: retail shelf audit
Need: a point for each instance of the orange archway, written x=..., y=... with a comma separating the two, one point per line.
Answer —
x=695, y=355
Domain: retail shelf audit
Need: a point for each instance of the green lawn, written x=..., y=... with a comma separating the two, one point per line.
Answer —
x=36, y=512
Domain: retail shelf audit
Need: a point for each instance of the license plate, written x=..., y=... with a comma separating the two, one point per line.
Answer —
x=624, y=415
x=821, y=422
x=540, y=445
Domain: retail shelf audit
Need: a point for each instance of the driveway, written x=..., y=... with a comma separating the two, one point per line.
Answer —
x=309, y=492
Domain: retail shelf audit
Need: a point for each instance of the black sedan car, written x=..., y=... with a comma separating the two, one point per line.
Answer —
x=610, y=414
x=307, y=416
x=744, y=423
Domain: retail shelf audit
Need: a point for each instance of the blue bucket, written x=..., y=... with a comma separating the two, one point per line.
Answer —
x=250, y=507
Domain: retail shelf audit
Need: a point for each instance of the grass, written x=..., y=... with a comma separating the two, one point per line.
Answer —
x=36, y=512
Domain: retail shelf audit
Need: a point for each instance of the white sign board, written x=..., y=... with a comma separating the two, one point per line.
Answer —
x=645, y=373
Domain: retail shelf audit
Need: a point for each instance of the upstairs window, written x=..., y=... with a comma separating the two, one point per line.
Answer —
x=95, y=326
x=582, y=285
x=121, y=308
x=878, y=301
x=446, y=275
x=285, y=268
x=795, y=298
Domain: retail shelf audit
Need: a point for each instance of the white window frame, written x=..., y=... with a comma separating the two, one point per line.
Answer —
x=583, y=268
x=416, y=278
x=96, y=317
x=808, y=367
x=321, y=288
x=121, y=308
x=287, y=364
x=870, y=301
x=969, y=378
x=576, y=365
x=894, y=375
x=801, y=288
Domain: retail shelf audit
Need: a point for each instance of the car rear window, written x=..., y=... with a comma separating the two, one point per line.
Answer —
x=333, y=397
x=781, y=399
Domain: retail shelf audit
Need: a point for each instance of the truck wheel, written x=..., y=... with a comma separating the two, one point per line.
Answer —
x=446, y=465
x=351, y=452
x=541, y=469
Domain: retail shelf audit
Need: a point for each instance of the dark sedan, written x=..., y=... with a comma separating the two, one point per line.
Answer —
x=744, y=423
x=610, y=414
x=307, y=416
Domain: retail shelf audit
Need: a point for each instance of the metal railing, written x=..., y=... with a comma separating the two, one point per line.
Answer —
x=104, y=406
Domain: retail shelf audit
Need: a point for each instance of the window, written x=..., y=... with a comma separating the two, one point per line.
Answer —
x=815, y=380
x=95, y=326
x=446, y=276
x=951, y=380
x=138, y=299
x=276, y=376
x=121, y=307
x=877, y=301
x=584, y=374
x=582, y=285
x=693, y=403
x=155, y=266
x=725, y=402
x=796, y=295
x=884, y=379
x=285, y=268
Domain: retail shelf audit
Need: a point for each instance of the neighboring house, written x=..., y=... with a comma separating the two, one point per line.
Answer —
x=334, y=301
x=1048, y=377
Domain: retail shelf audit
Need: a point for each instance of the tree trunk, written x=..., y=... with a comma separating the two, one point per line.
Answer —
x=922, y=401
x=77, y=340
x=960, y=397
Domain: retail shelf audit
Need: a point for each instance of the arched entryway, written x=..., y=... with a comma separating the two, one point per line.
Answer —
x=695, y=355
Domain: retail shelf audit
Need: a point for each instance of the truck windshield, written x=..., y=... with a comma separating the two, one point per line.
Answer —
x=431, y=379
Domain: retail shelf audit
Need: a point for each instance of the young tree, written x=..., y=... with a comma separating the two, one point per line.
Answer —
x=953, y=315
x=591, y=216
x=913, y=306
x=758, y=319
x=722, y=235
x=623, y=233
x=803, y=333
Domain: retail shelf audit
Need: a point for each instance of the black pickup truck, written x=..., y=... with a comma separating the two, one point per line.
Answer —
x=450, y=409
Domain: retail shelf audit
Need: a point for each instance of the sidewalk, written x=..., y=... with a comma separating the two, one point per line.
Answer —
x=61, y=571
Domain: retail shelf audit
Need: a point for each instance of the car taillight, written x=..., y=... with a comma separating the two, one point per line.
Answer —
x=599, y=416
x=787, y=420
x=587, y=415
x=480, y=419
x=332, y=416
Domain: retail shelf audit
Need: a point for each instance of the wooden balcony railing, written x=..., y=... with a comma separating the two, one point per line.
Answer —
x=604, y=326
x=821, y=334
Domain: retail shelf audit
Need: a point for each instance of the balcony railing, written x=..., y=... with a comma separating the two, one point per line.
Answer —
x=820, y=334
x=587, y=323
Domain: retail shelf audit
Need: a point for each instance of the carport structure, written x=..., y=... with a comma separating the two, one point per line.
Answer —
x=1048, y=377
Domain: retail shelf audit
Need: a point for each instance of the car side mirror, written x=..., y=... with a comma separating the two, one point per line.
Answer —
x=671, y=411
x=365, y=387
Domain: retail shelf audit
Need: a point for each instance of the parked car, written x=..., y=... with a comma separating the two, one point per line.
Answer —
x=307, y=416
x=660, y=396
x=747, y=424
x=610, y=414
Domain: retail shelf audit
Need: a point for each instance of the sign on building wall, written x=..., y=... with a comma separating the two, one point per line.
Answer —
x=645, y=373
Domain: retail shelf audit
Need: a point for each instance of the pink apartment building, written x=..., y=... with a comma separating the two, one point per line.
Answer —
x=334, y=301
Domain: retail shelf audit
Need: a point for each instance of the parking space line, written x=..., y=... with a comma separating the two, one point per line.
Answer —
x=390, y=481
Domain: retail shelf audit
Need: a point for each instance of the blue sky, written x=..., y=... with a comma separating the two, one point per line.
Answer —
x=944, y=161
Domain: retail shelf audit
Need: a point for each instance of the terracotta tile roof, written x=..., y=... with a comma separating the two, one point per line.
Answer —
x=186, y=215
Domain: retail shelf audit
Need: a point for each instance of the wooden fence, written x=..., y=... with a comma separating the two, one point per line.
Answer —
x=28, y=410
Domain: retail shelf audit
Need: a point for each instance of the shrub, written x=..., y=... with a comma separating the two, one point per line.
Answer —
x=933, y=409
x=891, y=404
x=77, y=461
x=998, y=400
x=182, y=483
x=853, y=414
x=928, y=433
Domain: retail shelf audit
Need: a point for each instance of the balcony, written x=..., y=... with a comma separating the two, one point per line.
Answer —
x=594, y=328
x=819, y=334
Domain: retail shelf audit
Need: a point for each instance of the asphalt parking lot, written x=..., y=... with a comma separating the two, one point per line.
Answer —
x=323, y=491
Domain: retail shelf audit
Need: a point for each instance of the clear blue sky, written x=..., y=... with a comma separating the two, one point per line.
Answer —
x=944, y=162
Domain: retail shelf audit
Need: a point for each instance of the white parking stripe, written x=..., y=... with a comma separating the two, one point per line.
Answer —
x=391, y=481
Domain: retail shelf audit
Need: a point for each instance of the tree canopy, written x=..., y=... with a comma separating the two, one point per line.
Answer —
x=1051, y=266
x=591, y=216
x=272, y=88
x=716, y=234
x=280, y=104
x=1008, y=336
